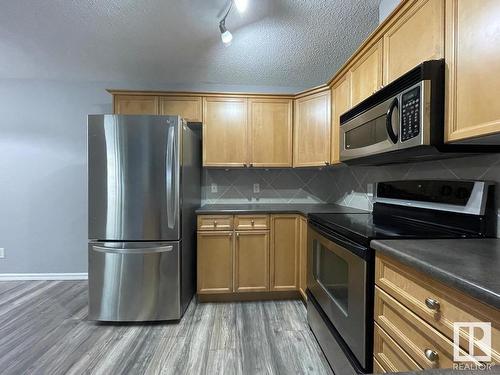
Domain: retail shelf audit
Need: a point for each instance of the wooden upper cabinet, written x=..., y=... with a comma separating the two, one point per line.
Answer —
x=473, y=66
x=215, y=262
x=251, y=262
x=135, y=104
x=417, y=36
x=311, y=132
x=188, y=107
x=270, y=123
x=341, y=103
x=225, y=132
x=366, y=73
x=285, y=252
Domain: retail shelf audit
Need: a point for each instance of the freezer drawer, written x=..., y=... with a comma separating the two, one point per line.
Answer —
x=134, y=281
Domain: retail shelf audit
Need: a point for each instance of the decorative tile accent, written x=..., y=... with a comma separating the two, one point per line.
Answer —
x=338, y=184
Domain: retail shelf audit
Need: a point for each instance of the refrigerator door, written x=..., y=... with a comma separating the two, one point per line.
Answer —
x=134, y=281
x=133, y=171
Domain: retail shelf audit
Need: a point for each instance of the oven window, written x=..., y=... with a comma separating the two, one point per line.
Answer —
x=333, y=275
x=367, y=134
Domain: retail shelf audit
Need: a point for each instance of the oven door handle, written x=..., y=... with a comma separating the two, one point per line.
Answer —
x=355, y=248
x=388, y=121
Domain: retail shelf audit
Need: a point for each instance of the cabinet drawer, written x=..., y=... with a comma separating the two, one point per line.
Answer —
x=413, y=334
x=377, y=368
x=413, y=289
x=388, y=355
x=249, y=222
x=215, y=222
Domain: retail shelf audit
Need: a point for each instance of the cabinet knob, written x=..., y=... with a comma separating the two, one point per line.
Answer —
x=327, y=163
x=253, y=222
x=432, y=304
x=237, y=235
x=230, y=234
x=431, y=355
x=215, y=223
x=251, y=164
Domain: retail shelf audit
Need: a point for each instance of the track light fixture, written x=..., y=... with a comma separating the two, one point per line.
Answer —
x=225, y=34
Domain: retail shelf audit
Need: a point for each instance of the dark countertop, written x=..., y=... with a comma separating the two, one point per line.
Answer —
x=469, y=265
x=285, y=208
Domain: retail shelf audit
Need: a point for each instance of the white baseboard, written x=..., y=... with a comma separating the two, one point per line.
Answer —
x=43, y=276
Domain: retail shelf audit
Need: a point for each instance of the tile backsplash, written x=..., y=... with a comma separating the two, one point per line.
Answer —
x=341, y=184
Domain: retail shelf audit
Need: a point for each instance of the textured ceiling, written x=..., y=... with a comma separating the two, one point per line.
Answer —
x=280, y=43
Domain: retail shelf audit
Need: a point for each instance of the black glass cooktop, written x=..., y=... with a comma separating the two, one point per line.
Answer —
x=361, y=228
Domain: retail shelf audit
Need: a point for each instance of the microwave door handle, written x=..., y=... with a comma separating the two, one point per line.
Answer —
x=388, y=121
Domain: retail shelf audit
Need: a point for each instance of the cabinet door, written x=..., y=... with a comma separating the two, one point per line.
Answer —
x=303, y=256
x=251, y=264
x=188, y=107
x=285, y=252
x=135, y=104
x=225, y=130
x=417, y=36
x=270, y=132
x=473, y=59
x=215, y=262
x=311, y=133
x=366, y=73
x=341, y=102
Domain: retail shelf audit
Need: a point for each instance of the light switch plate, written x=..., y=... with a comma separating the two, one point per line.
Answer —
x=2, y=252
x=256, y=188
x=213, y=188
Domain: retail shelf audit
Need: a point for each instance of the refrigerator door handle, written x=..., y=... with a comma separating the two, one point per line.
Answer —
x=170, y=169
x=156, y=249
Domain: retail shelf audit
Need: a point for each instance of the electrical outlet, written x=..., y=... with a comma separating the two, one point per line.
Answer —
x=213, y=188
x=256, y=188
x=2, y=252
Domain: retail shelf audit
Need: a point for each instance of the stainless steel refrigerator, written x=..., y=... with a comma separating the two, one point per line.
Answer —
x=143, y=185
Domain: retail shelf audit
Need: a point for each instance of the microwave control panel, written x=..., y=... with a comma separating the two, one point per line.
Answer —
x=410, y=114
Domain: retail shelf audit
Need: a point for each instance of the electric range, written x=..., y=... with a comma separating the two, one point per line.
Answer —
x=340, y=276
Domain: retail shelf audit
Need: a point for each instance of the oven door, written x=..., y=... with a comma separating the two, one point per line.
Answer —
x=371, y=132
x=337, y=278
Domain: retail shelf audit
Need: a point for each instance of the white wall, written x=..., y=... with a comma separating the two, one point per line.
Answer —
x=43, y=202
x=385, y=8
x=43, y=186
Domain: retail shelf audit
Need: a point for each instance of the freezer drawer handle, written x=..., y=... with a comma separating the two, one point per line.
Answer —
x=159, y=249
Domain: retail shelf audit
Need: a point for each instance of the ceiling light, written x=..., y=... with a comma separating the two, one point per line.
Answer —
x=226, y=37
x=241, y=5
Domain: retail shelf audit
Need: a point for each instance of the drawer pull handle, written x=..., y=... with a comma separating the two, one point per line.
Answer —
x=431, y=355
x=432, y=304
x=215, y=223
x=253, y=222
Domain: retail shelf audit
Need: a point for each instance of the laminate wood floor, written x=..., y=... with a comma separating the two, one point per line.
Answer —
x=43, y=330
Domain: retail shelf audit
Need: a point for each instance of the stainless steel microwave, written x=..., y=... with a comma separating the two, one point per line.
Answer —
x=404, y=121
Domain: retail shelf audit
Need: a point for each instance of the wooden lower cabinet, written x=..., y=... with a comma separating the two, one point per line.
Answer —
x=414, y=317
x=251, y=261
x=264, y=256
x=215, y=262
x=377, y=367
x=285, y=245
x=303, y=257
x=389, y=356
